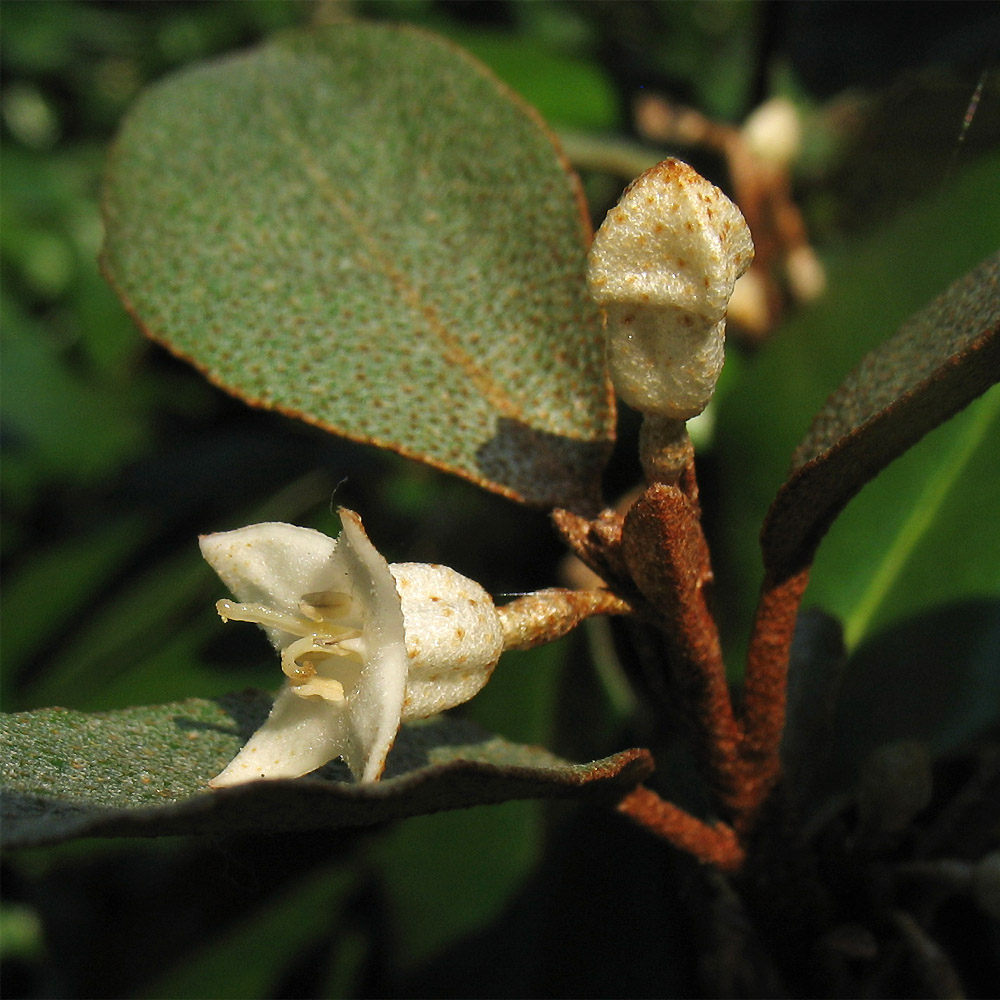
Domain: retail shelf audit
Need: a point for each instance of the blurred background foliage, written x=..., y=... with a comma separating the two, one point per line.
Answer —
x=115, y=456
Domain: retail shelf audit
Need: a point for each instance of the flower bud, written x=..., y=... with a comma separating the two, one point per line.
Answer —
x=663, y=265
x=773, y=131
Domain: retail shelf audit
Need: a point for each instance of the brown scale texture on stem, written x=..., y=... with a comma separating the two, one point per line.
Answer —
x=547, y=615
x=765, y=688
x=596, y=543
x=715, y=845
x=667, y=555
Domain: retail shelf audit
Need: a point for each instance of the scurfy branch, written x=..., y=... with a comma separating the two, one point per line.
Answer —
x=766, y=689
x=715, y=845
x=667, y=554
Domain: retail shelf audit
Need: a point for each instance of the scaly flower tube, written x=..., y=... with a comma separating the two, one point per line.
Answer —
x=364, y=645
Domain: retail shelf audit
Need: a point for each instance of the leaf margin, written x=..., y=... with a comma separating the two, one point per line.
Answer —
x=513, y=437
x=33, y=817
x=819, y=486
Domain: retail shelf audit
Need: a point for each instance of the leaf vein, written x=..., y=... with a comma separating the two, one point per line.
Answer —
x=453, y=352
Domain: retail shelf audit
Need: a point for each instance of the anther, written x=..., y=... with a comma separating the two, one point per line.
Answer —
x=322, y=604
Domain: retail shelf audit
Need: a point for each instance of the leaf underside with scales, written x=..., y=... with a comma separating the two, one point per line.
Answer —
x=142, y=772
x=941, y=359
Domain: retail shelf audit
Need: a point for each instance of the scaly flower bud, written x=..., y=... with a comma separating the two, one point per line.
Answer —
x=663, y=265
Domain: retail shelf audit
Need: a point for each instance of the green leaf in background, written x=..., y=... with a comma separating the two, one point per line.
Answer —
x=247, y=959
x=923, y=534
x=452, y=873
x=569, y=92
x=362, y=227
x=143, y=772
x=875, y=284
x=83, y=429
x=429, y=863
x=941, y=359
x=933, y=677
x=61, y=580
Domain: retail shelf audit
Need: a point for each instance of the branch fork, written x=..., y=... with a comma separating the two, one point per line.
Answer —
x=658, y=551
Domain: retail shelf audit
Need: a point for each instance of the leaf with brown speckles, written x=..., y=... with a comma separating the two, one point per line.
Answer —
x=360, y=226
x=941, y=359
x=143, y=771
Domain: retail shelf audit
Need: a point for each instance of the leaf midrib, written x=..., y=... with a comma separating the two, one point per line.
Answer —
x=425, y=313
x=920, y=520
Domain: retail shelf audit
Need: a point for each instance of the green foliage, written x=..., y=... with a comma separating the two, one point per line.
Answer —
x=932, y=676
x=568, y=92
x=940, y=360
x=876, y=282
x=243, y=962
x=106, y=485
x=142, y=771
x=397, y=257
x=924, y=507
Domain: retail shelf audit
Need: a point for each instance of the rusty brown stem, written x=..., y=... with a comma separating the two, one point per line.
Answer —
x=667, y=554
x=546, y=615
x=666, y=452
x=766, y=687
x=715, y=845
x=596, y=543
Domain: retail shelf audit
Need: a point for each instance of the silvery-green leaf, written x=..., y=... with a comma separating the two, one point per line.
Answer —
x=144, y=772
x=362, y=227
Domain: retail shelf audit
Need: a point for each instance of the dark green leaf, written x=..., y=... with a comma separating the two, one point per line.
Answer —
x=939, y=361
x=58, y=423
x=568, y=91
x=884, y=557
x=143, y=772
x=248, y=958
x=362, y=227
x=815, y=675
x=428, y=863
x=876, y=283
x=934, y=678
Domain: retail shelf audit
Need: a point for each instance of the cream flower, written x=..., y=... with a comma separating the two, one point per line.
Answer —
x=364, y=645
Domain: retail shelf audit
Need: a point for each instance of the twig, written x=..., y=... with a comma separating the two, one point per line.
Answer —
x=596, y=543
x=715, y=845
x=766, y=689
x=608, y=154
x=547, y=615
x=666, y=552
x=667, y=454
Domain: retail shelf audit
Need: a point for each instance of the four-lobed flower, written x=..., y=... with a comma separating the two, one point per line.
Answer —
x=364, y=644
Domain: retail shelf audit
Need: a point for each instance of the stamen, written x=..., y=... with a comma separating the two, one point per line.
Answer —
x=322, y=687
x=300, y=672
x=325, y=604
x=312, y=647
x=318, y=639
x=261, y=614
